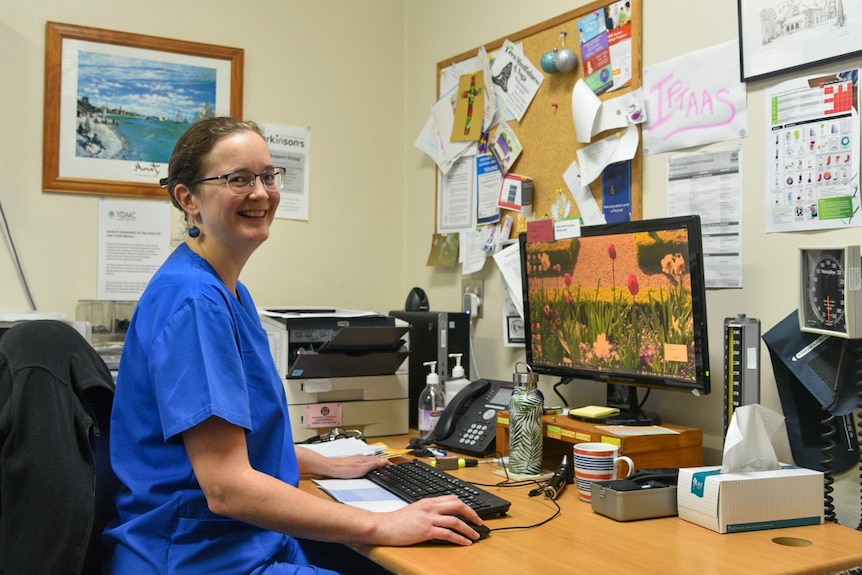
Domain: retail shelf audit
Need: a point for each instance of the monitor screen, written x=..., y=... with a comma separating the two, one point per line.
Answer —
x=624, y=303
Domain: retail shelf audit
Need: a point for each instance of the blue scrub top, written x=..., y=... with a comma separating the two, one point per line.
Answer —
x=194, y=350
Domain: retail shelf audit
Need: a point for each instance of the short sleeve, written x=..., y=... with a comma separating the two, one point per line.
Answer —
x=206, y=378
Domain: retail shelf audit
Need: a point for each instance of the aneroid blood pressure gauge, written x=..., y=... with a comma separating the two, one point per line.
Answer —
x=831, y=291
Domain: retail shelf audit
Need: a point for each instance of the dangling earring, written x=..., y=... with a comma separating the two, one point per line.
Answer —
x=194, y=231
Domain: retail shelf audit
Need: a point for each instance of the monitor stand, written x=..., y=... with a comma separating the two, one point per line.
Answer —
x=631, y=414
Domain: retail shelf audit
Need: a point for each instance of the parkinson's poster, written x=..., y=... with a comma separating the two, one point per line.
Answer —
x=290, y=147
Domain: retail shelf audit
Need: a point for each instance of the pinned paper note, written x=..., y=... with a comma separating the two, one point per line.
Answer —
x=593, y=116
x=505, y=146
x=585, y=109
x=516, y=78
x=617, y=147
x=590, y=212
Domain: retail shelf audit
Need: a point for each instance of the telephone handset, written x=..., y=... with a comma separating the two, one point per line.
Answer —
x=469, y=423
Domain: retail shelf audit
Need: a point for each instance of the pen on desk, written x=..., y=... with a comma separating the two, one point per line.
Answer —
x=453, y=462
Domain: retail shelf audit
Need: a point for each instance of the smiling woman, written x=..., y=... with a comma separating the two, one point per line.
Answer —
x=201, y=412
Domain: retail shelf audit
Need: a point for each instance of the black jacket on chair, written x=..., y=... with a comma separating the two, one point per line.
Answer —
x=55, y=402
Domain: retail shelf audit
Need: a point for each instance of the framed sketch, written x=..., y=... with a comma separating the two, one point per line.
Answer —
x=783, y=35
x=116, y=103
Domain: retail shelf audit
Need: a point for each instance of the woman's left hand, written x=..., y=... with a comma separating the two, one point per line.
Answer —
x=349, y=467
x=354, y=466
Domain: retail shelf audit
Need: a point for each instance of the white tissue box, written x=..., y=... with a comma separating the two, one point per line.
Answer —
x=752, y=500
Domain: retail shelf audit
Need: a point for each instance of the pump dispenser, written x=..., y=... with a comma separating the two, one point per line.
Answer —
x=457, y=382
x=431, y=401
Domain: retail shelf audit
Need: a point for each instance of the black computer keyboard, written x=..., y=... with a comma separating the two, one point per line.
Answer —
x=415, y=479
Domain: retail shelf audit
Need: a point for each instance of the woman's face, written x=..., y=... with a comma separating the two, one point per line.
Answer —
x=230, y=221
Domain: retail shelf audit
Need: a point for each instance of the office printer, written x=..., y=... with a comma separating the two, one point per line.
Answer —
x=341, y=368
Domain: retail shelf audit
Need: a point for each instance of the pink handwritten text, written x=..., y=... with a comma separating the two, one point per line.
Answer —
x=691, y=108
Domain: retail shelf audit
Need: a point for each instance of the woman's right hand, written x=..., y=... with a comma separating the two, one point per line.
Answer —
x=434, y=518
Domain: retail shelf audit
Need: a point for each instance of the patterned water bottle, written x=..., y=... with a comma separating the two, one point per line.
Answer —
x=525, y=424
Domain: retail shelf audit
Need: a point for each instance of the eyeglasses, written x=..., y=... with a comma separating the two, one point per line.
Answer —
x=241, y=182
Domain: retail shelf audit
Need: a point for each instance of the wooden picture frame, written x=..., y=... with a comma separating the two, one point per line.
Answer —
x=115, y=104
x=774, y=39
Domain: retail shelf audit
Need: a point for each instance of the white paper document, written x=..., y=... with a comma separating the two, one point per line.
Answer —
x=361, y=493
x=134, y=241
x=590, y=211
x=517, y=79
x=509, y=261
x=695, y=99
x=585, y=108
x=313, y=311
x=456, y=207
x=618, y=147
x=710, y=184
x=593, y=116
x=473, y=255
x=344, y=447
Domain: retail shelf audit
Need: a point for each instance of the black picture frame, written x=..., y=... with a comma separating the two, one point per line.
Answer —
x=779, y=36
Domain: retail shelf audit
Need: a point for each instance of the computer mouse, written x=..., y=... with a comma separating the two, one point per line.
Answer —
x=483, y=530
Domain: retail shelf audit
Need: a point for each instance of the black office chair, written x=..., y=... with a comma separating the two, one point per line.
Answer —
x=56, y=482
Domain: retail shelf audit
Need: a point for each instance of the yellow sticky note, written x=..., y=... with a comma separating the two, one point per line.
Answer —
x=594, y=411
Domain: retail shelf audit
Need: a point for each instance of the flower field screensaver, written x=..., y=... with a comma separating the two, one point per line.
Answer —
x=620, y=302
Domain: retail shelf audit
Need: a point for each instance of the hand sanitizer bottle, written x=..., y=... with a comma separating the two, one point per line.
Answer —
x=431, y=401
x=457, y=381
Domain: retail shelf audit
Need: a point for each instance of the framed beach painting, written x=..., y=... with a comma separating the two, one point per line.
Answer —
x=778, y=36
x=116, y=103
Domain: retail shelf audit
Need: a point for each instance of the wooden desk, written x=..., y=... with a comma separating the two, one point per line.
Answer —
x=585, y=542
x=683, y=449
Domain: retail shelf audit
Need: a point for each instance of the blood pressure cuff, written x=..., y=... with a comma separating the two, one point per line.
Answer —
x=816, y=376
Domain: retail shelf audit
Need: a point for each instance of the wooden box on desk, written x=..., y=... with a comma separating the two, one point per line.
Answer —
x=681, y=449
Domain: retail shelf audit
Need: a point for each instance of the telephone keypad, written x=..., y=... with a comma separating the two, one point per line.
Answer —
x=474, y=433
x=471, y=423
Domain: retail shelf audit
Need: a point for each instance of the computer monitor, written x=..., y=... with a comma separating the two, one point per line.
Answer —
x=623, y=304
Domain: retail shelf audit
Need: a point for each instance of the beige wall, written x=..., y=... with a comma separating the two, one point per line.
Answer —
x=362, y=75
x=335, y=66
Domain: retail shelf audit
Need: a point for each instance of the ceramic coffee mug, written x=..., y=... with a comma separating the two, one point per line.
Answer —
x=598, y=462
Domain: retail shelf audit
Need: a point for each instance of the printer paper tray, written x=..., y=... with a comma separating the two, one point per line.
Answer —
x=365, y=339
x=311, y=365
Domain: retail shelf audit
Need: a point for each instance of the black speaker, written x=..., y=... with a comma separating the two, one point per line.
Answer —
x=417, y=300
x=433, y=336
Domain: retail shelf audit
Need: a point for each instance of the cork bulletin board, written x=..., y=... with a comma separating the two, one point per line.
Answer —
x=547, y=131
